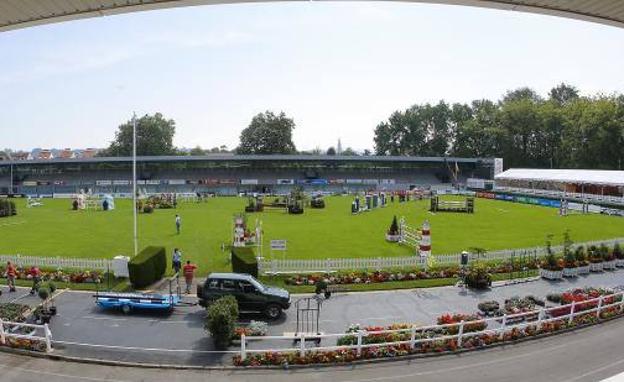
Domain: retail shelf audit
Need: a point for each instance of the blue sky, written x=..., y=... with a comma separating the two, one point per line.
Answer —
x=337, y=68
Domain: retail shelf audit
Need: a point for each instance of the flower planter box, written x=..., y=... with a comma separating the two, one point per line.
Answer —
x=393, y=238
x=583, y=270
x=570, y=272
x=619, y=262
x=595, y=267
x=609, y=264
x=551, y=275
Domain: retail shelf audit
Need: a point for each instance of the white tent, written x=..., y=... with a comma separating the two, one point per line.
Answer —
x=597, y=177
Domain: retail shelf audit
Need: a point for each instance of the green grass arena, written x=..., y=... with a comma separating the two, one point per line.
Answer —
x=55, y=230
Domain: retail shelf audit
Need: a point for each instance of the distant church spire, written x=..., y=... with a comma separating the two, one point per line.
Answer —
x=339, y=148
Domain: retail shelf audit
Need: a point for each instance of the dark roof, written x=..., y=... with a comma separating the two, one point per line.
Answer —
x=230, y=276
x=233, y=158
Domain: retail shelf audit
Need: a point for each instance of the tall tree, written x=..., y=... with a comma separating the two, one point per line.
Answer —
x=154, y=136
x=268, y=134
x=197, y=151
x=331, y=151
x=563, y=94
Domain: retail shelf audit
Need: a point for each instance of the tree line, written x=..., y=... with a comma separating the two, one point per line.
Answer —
x=562, y=130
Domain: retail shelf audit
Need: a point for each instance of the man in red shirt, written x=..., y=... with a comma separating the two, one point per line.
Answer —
x=189, y=272
x=35, y=273
x=11, y=273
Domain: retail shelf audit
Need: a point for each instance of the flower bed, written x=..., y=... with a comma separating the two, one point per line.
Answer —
x=580, y=297
x=13, y=312
x=31, y=344
x=472, y=322
x=431, y=345
x=76, y=277
x=387, y=276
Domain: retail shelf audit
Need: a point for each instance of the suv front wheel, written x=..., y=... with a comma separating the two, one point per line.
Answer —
x=273, y=311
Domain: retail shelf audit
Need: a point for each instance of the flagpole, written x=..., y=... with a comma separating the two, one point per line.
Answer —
x=134, y=189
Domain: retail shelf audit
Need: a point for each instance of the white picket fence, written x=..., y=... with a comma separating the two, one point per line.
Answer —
x=20, y=331
x=284, y=266
x=494, y=325
x=58, y=262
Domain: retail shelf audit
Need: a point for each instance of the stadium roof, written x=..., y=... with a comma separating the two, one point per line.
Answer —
x=16, y=14
x=238, y=158
x=602, y=177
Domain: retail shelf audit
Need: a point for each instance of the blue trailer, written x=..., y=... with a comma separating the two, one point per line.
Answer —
x=130, y=301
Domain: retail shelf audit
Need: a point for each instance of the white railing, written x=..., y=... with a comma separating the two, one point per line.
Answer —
x=15, y=331
x=277, y=266
x=58, y=262
x=500, y=325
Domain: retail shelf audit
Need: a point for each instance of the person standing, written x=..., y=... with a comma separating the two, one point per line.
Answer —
x=178, y=223
x=189, y=273
x=35, y=273
x=11, y=273
x=176, y=261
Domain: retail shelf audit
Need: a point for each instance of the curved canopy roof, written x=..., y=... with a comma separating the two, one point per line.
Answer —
x=16, y=14
x=602, y=177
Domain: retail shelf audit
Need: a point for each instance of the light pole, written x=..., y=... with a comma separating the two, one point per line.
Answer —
x=134, y=189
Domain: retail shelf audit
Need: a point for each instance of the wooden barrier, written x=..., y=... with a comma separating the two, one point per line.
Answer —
x=466, y=205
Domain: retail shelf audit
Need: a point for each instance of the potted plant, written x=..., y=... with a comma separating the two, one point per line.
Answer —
x=393, y=233
x=608, y=258
x=581, y=261
x=551, y=269
x=478, y=277
x=619, y=255
x=595, y=260
x=570, y=268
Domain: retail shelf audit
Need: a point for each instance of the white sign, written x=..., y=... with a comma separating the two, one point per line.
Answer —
x=498, y=165
x=278, y=245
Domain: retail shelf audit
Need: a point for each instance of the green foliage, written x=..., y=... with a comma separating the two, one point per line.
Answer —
x=580, y=256
x=148, y=266
x=617, y=251
x=221, y=321
x=478, y=277
x=44, y=292
x=13, y=312
x=7, y=208
x=154, y=136
x=394, y=227
x=564, y=130
x=268, y=134
x=244, y=261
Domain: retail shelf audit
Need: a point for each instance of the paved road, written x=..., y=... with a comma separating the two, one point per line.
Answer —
x=590, y=354
x=179, y=338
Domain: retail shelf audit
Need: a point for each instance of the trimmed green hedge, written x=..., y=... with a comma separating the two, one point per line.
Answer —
x=221, y=321
x=7, y=208
x=148, y=266
x=244, y=261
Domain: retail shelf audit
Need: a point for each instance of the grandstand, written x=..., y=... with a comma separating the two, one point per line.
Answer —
x=234, y=174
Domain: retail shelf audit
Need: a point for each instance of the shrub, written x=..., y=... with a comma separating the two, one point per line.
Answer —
x=478, y=277
x=221, y=321
x=317, y=202
x=605, y=254
x=244, y=261
x=394, y=227
x=148, y=266
x=148, y=209
x=7, y=208
x=617, y=251
x=580, y=256
x=44, y=293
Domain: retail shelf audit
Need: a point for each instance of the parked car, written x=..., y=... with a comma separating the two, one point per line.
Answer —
x=251, y=294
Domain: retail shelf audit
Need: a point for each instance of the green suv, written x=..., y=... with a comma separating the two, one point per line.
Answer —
x=251, y=294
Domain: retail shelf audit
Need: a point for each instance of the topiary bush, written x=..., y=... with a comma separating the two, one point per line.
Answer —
x=148, y=266
x=244, y=261
x=221, y=319
x=478, y=277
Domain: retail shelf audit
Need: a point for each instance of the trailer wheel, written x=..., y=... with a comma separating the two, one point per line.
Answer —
x=125, y=308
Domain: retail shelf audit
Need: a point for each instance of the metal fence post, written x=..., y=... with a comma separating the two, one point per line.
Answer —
x=48, y=338
x=359, y=342
x=2, y=338
x=599, y=307
x=413, y=337
x=460, y=333
x=571, y=313
x=302, y=345
x=243, y=350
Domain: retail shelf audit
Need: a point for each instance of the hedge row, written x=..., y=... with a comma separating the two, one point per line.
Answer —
x=148, y=266
x=7, y=208
x=244, y=261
